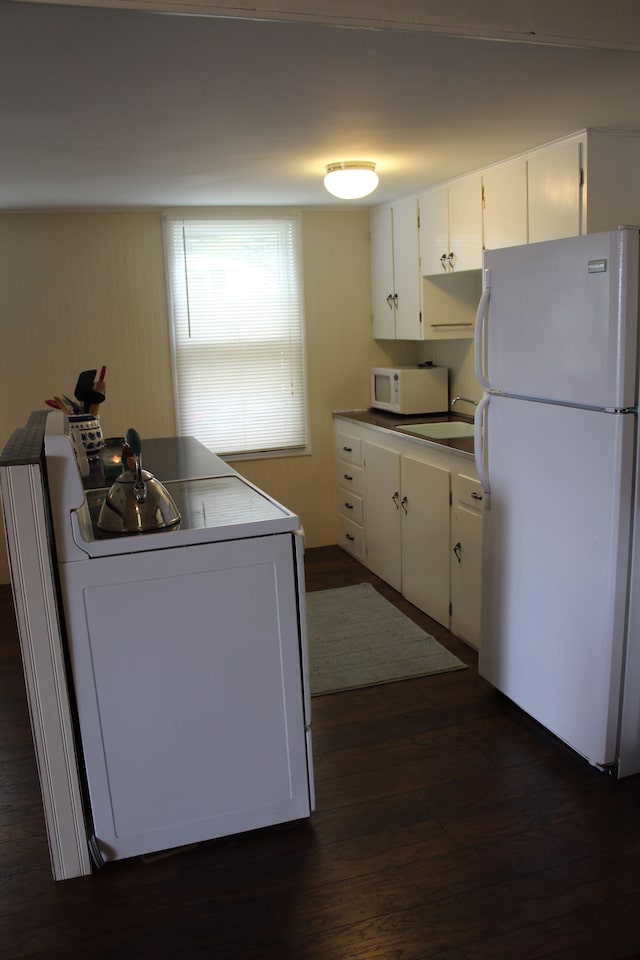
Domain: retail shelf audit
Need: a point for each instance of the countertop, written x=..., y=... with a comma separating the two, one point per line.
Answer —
x=169, y=458
x=395, y=423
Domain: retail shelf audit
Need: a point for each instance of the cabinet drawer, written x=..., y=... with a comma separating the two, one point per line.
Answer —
x=351, y=537
x=350, y=505
x=469, y=491
x=349, y=477
x=349, y=449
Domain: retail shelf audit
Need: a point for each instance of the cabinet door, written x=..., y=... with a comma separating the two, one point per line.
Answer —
x=406, y=270
x=192, y=728
x=382, y=524
x=434, y=232
x=465, y=224
x=555, y=193
x=504, y=197
x=466, y=560
x=426, y=537
x=382, y=282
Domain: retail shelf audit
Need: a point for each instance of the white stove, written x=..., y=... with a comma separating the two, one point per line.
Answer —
x=219, y=505
x=188, y=657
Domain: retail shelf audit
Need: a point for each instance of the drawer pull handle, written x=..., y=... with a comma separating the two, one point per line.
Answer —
x=347, y=477
x=395, y=498
x=348, y=449
x=349, y=506
x=458, y=551
x=349, y=536
x=404, y=503
x=476, y=496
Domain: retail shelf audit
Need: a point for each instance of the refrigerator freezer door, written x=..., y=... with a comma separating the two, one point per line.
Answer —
x=562, y=320
x=556, y=556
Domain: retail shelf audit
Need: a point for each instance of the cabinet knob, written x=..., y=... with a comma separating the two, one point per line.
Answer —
x=404, y=503
x=443, y=261
x=395, y=498
x=390, y=301
x=458, y=551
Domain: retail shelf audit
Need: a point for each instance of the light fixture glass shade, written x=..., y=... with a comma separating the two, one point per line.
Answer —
x=351, y=179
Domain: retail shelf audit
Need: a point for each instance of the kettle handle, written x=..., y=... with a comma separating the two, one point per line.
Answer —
x=139, y=486
x=134, y=441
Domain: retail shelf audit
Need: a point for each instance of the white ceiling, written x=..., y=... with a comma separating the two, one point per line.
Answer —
x=102, y=107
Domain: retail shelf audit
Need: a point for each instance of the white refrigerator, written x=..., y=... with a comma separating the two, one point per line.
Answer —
x=556, y=353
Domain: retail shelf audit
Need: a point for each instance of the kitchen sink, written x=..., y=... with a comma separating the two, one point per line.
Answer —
x=448, y=430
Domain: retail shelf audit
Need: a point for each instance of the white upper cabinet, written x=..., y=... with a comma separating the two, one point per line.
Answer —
x=585, y=183
x=406, y=268
x=504, y=202
x=611, y=196
x=382, y=282
x=555, y=192
x=451, y=228
x=395, y=272
x=434, y=232
x=465, y=224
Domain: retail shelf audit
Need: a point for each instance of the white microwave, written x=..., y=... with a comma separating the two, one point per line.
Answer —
x=410, y=390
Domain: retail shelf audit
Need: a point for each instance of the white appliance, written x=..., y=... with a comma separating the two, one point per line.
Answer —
x=556, y=442
x=189, y=664
x=410, y=390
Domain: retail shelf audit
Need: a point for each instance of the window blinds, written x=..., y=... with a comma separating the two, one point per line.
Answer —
x=236, y=305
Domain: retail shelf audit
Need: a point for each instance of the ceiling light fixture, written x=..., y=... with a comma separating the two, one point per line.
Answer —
x=351, y=179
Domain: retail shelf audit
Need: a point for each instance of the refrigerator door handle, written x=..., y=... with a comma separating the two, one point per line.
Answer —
x=479, y=422
x=479, y=338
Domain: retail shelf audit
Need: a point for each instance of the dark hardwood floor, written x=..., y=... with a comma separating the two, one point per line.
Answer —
x=448, y=826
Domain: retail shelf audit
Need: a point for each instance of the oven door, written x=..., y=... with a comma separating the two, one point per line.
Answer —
x=190, y=698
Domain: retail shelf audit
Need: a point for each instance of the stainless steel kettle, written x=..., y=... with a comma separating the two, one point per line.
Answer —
x=137, y=502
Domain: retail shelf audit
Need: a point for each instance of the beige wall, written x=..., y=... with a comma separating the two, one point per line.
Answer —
x=78, y=290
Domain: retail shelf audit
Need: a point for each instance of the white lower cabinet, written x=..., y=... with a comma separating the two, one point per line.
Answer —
x=383, y=513
x=425, y=537
x=420, y=529
x=349, y=493
x=466, y=558
x=406, y=505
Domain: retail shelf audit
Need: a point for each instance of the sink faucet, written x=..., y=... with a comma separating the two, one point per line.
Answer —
x=464, y=399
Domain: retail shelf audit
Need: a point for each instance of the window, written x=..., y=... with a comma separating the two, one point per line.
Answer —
x=236, y=308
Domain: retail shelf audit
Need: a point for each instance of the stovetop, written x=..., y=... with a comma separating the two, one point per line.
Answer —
x=210, y=503
x=215, y=503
